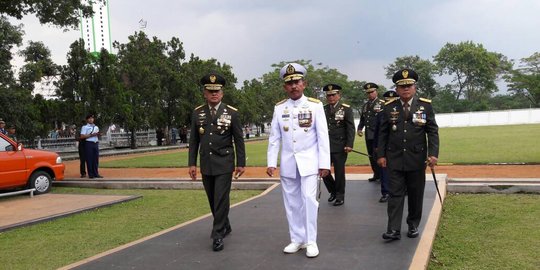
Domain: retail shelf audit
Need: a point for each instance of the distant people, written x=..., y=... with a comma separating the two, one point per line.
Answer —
x=183, y=134
x=11, y=132
x=81, y=146
x=247, y=130
x=408, y=141
x=90, y=133
x=388, y=96
x=159, y=136
x=214, y=127
x=341, y=132
x=174, y=132
x=368, y=116
x=3, y=129
x=299, y=128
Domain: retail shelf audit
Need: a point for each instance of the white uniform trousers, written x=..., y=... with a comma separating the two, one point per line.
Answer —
x=301, y=207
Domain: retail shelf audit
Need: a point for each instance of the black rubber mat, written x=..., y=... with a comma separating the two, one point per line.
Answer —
x=349, y=237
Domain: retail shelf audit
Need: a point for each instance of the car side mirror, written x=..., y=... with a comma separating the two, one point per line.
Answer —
x=19, y=146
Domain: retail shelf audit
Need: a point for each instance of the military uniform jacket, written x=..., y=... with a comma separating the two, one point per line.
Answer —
x=212, y=138
x=369, y=115
x=341, y=130
x=301, y=129
x=406, y=143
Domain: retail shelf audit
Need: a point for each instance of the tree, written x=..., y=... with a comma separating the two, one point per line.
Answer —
x=474, y=69
x=63, y=13
x=426, y=86
x=526, y=80
x=74, y=84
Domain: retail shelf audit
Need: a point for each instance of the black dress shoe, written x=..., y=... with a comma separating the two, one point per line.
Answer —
x=413, y=232
x=373, y=179
x=332, y=197
x=339, y=202
x=384, y=198
x=99, y=176
x=218, y=245
x=391, y=235
x=83, y=175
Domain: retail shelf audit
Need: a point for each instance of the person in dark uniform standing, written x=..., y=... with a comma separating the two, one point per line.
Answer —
x=409, y=139
x=214, y=127
x=367, y=119
x=340, y=120
x=90, y=133
x=388, y=96
x=82, y=155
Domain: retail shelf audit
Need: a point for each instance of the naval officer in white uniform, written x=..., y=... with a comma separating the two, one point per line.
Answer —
x=299, y=126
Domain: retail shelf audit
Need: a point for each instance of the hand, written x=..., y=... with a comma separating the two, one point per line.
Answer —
x=360, y=133
x=324, y=173
x=270, y=171
x=347, y=149
x=193, y=172
x=432, y=161
x=382, y=162
x=239, y=171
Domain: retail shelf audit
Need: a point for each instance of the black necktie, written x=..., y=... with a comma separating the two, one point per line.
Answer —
x=406, y=110
x=213, y=112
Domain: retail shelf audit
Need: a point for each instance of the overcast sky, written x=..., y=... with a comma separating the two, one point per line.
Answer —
x=357, y=37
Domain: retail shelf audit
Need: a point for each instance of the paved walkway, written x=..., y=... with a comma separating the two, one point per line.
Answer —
x=25, y=210
x=349, y=237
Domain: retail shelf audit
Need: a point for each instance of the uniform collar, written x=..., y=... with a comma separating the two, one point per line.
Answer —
x=298, y=101
x=410, y=102
x=216, y=107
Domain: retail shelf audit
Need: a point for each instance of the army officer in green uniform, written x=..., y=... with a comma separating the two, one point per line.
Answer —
x=408, y=140
x=214, y=127
x=368, y=119
x=340, y=119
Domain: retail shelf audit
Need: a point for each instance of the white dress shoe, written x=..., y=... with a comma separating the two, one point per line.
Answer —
x=293, y=247
x=312, y=250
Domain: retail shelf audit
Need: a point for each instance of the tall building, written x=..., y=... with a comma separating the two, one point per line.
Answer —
x=96, y=31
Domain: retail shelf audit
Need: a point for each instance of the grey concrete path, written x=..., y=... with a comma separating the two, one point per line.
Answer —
x=349, y=237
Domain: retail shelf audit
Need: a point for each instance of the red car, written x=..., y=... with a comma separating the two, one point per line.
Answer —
x=28, y=168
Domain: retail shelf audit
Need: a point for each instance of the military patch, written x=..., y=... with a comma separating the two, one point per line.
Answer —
x=314, y=100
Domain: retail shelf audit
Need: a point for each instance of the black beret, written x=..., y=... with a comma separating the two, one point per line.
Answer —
x=390, y=93
x=331, y=88
x=370, y=87
x=213, y=81
x=90, y=116
x=405, y=76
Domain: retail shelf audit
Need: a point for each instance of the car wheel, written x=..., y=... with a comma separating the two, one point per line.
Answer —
x=41, y=181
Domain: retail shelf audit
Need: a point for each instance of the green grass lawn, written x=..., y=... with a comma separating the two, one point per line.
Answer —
x=467, y=145
x=63, y=241
x=488, y=231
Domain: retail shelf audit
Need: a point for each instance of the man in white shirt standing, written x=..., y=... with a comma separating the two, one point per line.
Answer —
x=299, y=126
x=90, y=133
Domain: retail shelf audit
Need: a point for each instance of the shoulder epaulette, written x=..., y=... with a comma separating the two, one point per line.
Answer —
x=382, y=100
x=199, y=107
x=390, y=101
x=346, y=105
x=425, y=100
x=314, y=100
x=281, y=102
x=232, y=108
